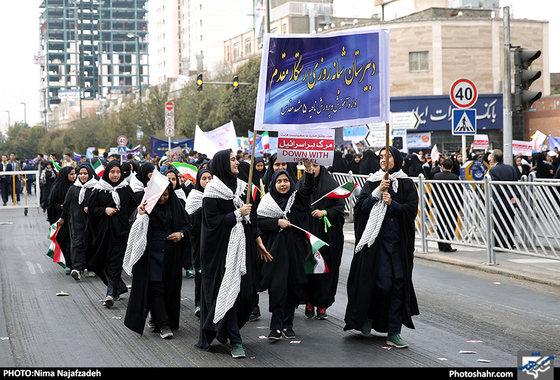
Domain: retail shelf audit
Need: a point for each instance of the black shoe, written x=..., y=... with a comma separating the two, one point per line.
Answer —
x=275, y=335
x=321, y=313
x=255, y=314
x=165, y=333
x=289, y=333
x=309, y=311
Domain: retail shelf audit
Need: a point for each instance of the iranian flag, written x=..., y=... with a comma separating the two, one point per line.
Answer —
x=54, y=252
x=56, y=166
x=265, y=141
x=97, y=166
x=315, y=263
x=187, y=170
x=254, y=191
x=343, y=191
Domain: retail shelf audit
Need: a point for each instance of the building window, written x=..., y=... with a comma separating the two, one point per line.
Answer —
x=235, y=50
x=418, y=61
x=248, y=49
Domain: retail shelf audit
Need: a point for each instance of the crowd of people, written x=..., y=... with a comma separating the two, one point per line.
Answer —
x=545, y=163
x=235, y=247
x=238, y=247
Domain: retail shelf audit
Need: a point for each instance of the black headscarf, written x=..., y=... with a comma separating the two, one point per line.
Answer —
x=397, y=158
x=199, y=174
x=88, y=168
x=108, y=168
x=145, y=169
x=256, y=174
x=60, y=186
x=281, y=199
x=220, y=166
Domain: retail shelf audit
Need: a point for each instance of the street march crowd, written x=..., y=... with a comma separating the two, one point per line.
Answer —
x=282, y=235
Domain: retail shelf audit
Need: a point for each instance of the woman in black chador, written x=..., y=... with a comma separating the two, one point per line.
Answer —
x=229, y=245
x=194, y=209
x=110, y=207
x=60, y=187
x=284, y=276
x=157, y=274
x=74, y=213
x=380, y=291
x=326, y=222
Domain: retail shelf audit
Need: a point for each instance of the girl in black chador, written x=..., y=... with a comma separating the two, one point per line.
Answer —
x=111, y=205
x=229, y=245
x=380, y=291
x=157, y=274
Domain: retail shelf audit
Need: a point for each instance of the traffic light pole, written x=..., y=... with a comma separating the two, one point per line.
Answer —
x=506, y=98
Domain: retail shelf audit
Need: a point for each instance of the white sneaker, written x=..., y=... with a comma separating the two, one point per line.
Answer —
x=75, y=275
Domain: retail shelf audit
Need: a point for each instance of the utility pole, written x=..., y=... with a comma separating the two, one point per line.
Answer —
x=506, y=98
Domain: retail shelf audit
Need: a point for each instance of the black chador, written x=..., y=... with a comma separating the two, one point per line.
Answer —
x=157, y=274
x=228, y=253
x=110, y=229
x=57, y=195
x=328, y=226
x=74, y=213
x=284, y=276
x=380, y=291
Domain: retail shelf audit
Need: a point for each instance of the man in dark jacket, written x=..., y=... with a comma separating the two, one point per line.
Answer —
x=446, y=202
x=504, y=200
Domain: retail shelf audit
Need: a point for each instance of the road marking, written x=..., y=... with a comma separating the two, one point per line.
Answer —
x=31, y=267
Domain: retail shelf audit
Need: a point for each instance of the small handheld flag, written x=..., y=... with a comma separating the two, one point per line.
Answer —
x=55, y=252
x=187, y=170
x=343, y=191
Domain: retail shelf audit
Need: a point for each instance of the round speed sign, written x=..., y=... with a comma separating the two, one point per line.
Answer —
x=463, y=93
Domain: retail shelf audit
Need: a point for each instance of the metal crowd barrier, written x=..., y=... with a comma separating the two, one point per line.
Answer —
x=26, y=200
x=456, y=212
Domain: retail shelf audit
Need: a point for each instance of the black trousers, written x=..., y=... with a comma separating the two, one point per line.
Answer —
x=388, y=296
x=157, y=307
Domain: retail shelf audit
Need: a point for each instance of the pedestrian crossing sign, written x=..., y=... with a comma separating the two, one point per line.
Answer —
x=463, y=121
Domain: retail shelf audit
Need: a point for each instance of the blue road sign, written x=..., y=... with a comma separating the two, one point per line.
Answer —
x=463, y=122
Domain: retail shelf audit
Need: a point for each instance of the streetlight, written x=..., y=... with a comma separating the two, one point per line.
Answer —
x=24, y=113
x=133, y=35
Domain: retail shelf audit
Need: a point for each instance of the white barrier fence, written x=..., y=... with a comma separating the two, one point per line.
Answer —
x=525, y=215
x=26, y=200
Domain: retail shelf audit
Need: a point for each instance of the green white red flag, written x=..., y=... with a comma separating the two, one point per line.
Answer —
x=54, y=252
x=56, y=166
x=97, y=166
x=343, y=191
x=315, y=263
x=187, y=170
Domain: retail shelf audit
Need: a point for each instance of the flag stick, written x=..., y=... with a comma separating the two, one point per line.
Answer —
x=301, y=229
x=250, y=180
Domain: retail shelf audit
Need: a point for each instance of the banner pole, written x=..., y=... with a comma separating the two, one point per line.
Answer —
x=250, y=180
x=387, y=131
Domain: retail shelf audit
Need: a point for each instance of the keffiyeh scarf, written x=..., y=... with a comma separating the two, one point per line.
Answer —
x=268, y=208
x=235, y=258
x=377, y=213
x=103, y=185
x=194, y=201
x=83, y=186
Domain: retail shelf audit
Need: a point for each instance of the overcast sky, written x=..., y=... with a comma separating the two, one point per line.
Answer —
x=19, y=42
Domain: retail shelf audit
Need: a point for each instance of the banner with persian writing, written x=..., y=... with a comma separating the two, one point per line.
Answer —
x=323, y=81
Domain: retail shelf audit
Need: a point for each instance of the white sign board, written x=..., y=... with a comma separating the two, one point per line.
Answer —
x=316, y=146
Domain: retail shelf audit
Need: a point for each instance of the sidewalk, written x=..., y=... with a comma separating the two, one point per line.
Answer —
x=530, y=268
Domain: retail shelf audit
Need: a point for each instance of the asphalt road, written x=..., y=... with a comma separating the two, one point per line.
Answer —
x=39, y=328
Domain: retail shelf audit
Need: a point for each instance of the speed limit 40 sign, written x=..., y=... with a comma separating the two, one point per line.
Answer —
x=463, y=93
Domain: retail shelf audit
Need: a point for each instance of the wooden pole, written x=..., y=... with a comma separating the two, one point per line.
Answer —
x=250, y=179
x=387, y=132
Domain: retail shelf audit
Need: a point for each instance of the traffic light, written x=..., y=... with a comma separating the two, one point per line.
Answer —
x=199, y=82
x=523, y=58
x=235, y=83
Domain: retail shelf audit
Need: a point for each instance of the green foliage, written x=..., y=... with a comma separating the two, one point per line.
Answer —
x=215, y=106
